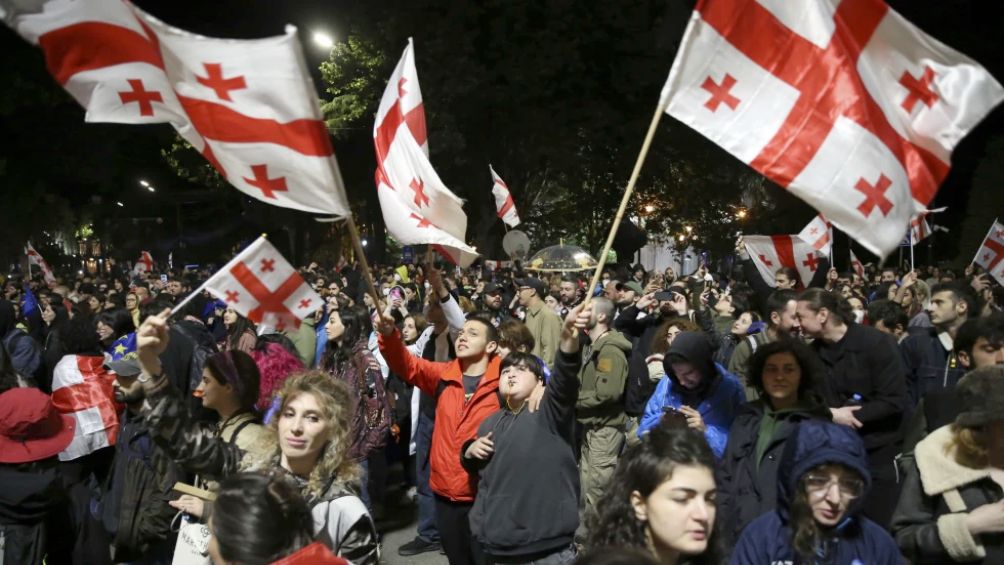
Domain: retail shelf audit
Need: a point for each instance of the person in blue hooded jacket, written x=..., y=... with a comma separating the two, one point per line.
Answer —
x=706, y=394
x=822, y=484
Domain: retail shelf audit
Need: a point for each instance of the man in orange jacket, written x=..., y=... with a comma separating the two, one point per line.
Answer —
x=466, y=392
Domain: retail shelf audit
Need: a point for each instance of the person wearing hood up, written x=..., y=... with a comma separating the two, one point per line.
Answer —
x=697, y=387
x=35, y=514
x=823, y=481
x=25, y=352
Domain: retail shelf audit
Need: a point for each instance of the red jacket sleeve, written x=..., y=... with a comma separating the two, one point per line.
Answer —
x=414, y=370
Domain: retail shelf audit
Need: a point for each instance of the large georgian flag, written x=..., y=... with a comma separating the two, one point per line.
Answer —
x=504, y=205
x=991, y=253
x=249, y=106
x=263, y=287
x=771, y=252
x=417, y=207
x=34, y=258
x=845, y=103
x=82, y=388
x=144, y=265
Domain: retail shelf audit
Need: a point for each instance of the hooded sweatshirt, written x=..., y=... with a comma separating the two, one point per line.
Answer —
x=856, y=539
x=718, y=396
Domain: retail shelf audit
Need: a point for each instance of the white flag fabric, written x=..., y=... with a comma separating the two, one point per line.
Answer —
x=417, y=207
x=82, y=388
x=504, y=205
x=771, y=252
x=843, y=102
x=34, y=258
x=991, y=253
x=263, y=287
x=919, y=228
x=819, y=234
x=857, y=266
x=249, y=106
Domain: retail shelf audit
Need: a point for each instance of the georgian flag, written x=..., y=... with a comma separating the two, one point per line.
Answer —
x=842, y=102
x=263, y=287
x=991, y=253
x=857, y=266
x=82, y=388
x=144, y=265
x=819, y=234
x=504, y=205
x=919, y=229
x=417, y=206
x=249, y=106
x=771, y=252
x=35, y=258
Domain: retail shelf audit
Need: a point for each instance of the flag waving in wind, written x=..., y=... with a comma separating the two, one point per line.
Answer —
x=843, y=102
x=34, y=258
x=991, y=253
x=144, y=265
x=263, y=287
x=249, y=106
x=417, y=207
x=504, y=205
x=772, y=252
x=819, y=234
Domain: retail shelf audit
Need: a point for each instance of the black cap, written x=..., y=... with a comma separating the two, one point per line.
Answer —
x=491, y=287
x=533, y=283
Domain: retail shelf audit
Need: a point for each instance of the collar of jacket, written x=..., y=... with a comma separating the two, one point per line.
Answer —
x=939, y=472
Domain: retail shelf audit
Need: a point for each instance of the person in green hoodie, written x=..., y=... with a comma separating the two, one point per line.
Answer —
x=600, y=407
x=787, y=377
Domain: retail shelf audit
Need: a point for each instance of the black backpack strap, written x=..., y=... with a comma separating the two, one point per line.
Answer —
x=241, y=426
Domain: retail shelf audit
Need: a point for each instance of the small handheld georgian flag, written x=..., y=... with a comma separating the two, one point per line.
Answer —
x=82, y=388
x=34, y=258
x=857, y=266
x=819, y=234
x=504, y=205
x=263, y=287
x=991, y=253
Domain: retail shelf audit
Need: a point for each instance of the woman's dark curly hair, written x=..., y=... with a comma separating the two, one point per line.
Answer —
x=643, y=468
x=118, y=319
x=811, y=381
x=357, y=328
x=78, y=337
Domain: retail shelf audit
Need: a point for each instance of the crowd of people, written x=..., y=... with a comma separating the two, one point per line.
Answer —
x=706, y=417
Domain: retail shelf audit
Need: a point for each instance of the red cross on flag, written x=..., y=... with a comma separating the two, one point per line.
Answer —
x=34, y=258
x=417, y=207
x=991, y=253
x=504, y=205
x=771, y=252
x=82, y=388
x=857, y=266
x=919, y=228
x=845, y=103
x=249, y=106
x=263, y=287
x=144, y=265
x=818, y=234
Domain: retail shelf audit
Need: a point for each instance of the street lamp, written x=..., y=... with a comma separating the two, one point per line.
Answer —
x=323, y=40
x=144, y=183
x=151, y=189
x=119, y=204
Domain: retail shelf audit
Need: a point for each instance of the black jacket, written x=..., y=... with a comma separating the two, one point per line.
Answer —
x=927, y=528
x=135, y=512
x=528, y=492
x=866, y=362
x=641, y=331
x=929, y=367
x=747, y=490
x=35, y=515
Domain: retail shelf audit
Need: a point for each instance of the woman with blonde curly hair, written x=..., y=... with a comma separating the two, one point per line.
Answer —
x=312, y=444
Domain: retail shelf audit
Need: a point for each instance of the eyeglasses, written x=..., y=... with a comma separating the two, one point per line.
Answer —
x=819, y=485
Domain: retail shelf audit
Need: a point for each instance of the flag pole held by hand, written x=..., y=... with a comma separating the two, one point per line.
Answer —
x=602, y=259
x=350, y=224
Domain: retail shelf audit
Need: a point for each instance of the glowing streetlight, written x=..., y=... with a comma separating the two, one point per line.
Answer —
x=151, y=188
x=741, y=214
x=144, y=183
x=649, y=208
x=688, y=228
x=119, y=204
x=682, y=237
x=323, y=40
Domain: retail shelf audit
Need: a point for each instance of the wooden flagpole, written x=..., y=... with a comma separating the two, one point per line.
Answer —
x=602, y=259
x=350, y=224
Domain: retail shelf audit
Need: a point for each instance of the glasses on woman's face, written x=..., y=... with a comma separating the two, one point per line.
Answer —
x=819, y=485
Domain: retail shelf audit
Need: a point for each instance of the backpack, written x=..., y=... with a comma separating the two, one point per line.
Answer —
x=371, y=422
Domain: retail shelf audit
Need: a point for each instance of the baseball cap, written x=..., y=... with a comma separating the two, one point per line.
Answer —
x=630, y=285
x=533, y=283
x=124, y=367
x=491, y=287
